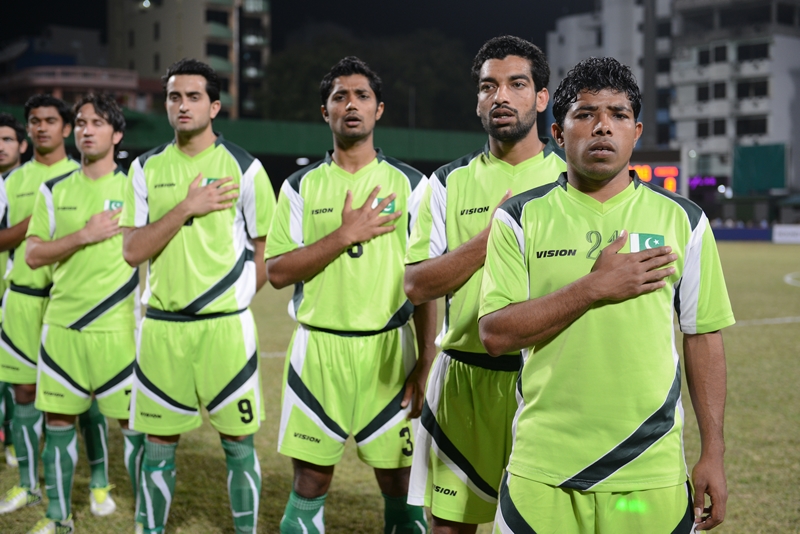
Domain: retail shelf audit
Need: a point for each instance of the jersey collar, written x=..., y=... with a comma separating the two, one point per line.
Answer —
x=512, y=170
x=600, y=207
x=379, y=157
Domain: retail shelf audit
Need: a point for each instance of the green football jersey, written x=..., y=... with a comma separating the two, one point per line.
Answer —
x=95, y=288
x=456, y=207
x=600, y=406
x=16, y=202
x=362, y=289
x=207, y=267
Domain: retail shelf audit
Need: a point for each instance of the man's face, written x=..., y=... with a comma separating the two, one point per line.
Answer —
x=507, y=99
x=189, y=108
x=599, y=134
x=46, y=129
x=352, y=108
x=94, y=135
x=10, y=148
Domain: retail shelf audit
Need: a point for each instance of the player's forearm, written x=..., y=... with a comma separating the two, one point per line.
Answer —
x=306, y=262
x=425, y=327
x=524, y=324
x=39, y=253
x=437, y=277
x=706, y=376
x=261, y=266
x=10, y=238
x=141, y=244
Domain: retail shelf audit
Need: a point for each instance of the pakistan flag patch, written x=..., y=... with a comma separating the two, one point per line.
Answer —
x=641, y=242
x=205, y=181
x=112, y=205
x=387, y=209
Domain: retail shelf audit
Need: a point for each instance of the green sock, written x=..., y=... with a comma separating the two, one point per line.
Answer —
x=94, y=430
x=157, y=485
x=399, y=517
x=304, y=516
x=244, y=483
x=27, y=429
x=59, y=458
x=134, y=451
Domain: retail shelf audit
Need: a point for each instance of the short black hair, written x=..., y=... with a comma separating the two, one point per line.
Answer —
x=105, y=106
x=508, y=45
x=595, y=74
x=7, y=119
x=193, y=66
x=46, y=101
x=347, y=67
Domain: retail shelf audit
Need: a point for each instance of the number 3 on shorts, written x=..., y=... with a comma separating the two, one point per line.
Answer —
x=408, y=448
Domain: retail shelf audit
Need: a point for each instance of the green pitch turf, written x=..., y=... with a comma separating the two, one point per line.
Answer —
x=762, y=425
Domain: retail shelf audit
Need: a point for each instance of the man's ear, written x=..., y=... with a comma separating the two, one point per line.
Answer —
x=558, y=134
x=324, y=111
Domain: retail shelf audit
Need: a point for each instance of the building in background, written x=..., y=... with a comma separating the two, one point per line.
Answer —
x=232, y=36
x=736, y=78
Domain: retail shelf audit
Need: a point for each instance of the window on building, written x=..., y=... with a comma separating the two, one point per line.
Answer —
x=702, y=128
x=752, y=89
x=702, y=93
x=131, y=39
x=751, y=126
x=220, y=17
x=749, y=52
x=703, y=56
x=156, y=31
x=156, y=62
x=785, y=14
x=737, y=16
x=720, y=54
x=719, y=126
x=599, y=37
x=720, y=91
x=662, y=64
x=664, y=28
x=662, y=134
x=663, y=98
x=698, y=20
x=219, y=50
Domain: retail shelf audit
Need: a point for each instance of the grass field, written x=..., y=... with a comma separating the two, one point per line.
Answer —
x=762, y=430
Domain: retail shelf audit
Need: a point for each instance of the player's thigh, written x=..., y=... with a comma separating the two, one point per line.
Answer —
x=226, y=370
x=111, y=359
x=319, y=396
x=381, y=428
x=471, y=440
x=20, y=337
x=63, y=383
x=164, y=399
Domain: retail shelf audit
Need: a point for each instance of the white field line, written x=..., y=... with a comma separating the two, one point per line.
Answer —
x=793, y=279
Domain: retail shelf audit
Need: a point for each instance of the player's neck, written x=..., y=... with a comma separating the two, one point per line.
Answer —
x=192, y=143
x=99, y=167
x=599, y=189
x=50, y=158
x=11, y=167
x=516, y=152
x=352, y=157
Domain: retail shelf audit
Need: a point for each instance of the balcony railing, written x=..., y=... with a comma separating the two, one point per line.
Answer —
x=78, y=77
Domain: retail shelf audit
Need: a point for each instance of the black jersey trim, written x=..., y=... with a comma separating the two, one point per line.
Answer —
x=301, y=390
x=509, y=362
x=649, y=432
x=115, y=298
x=428, y=420
x=12, y=346
x=413, y=176
x=385, y=415
x=155, y=390
x=49, y=362
x=400, y=318
x=238, y=381
x=121, y=377
x=220, y=287
x=550, y=148
x=51, y=183
x=150, y=153
x=516, y=205
x=687, y=521
x=31, y=291
x=178, y=317
x=295, y=178
x=443, y=172
x=692, y=210
x=243, y=158
x=509, y=511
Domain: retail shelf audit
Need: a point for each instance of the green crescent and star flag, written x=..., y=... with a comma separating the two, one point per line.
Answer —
x=388, y=209
x=112, y=205
x=645, y=241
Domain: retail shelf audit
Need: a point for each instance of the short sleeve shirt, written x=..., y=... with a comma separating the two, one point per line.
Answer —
x=600, y=408
x=457, y=206
x=207, y=267
x=95, y=288
x=362, y=289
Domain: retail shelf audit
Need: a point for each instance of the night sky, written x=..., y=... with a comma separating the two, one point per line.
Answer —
x=470, y=21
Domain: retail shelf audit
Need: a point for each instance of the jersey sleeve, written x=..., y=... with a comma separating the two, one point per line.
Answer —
x=702, y=302
x=415, y=201
x=135, y=210
x=428, y=237
x=505, y=276
x=43, y=220
x=258, y=200
x=3, y=204
x=286, y=232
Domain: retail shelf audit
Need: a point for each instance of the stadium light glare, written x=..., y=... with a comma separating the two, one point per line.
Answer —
x=722, y=188
x=302, y=161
